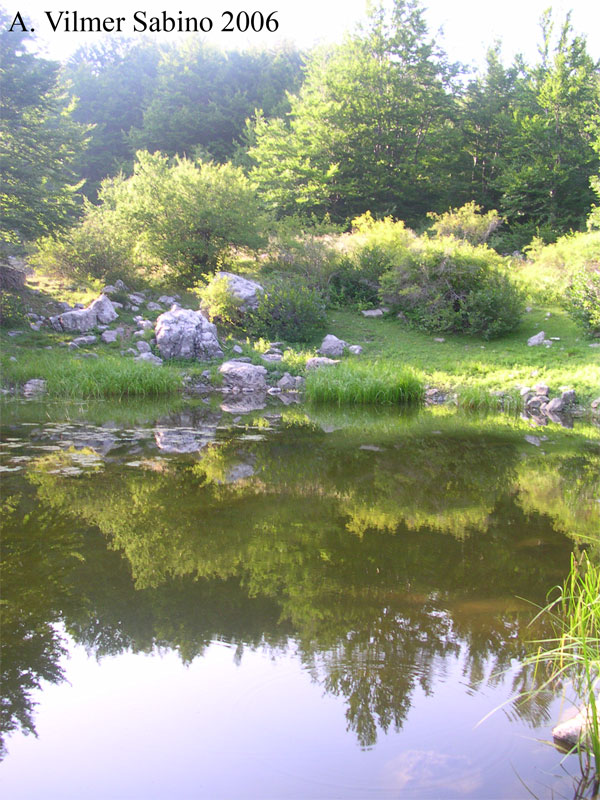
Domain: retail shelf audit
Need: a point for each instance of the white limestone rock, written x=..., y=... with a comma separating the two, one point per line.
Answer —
x=332, y=346
x=240, y=375
x=183, y=333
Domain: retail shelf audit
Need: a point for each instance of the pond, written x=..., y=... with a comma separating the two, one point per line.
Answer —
x=216, y=602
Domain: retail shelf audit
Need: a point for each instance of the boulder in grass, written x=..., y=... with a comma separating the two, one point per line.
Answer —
x=11, y=278
x=314, y=363
x=287, y=383
x=373, y=312
x=536, y=340
x=35, y=387
x=149, y=358
x=332, y=346
x=186, y=334
x=84, y=319
x=82, y=341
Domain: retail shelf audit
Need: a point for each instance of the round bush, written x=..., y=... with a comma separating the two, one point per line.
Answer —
x=446, y=285
x=288, y=311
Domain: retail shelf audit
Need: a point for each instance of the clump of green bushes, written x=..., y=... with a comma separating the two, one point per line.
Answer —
x=288, y=310
x=583, y=299
x=12, y=312
x=168, y=223
x=449, y=285
x=467, y=222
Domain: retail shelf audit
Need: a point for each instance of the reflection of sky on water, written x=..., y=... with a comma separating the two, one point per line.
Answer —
x=150, y=727
x=365, y=568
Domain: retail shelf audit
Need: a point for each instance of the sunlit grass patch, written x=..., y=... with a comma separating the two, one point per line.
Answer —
x=68, y=376
x=364, y=383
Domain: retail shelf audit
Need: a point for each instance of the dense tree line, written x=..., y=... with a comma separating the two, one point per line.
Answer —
x=381, y=122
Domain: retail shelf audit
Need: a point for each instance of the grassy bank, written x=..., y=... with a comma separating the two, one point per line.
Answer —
x=475, y=369
x=109, y=376
x=396, y=365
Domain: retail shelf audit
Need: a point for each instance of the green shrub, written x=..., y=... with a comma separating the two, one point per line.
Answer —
x=12, y=313
x=219, y=303
x=550, y=269
x=304, y=249
x=495, y=308
x=447, y=285
x=583, y=299
x=95, y=247
x=466, y=222
x=356, y=280
x=593, y=220
x=172, y=220
x=288, y=310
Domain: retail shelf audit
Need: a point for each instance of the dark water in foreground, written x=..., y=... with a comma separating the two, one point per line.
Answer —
x=283, y=603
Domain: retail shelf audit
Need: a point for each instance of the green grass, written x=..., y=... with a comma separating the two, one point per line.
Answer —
x=574, y=654
x=473, y=368
x=109, y=376
x=354, y=382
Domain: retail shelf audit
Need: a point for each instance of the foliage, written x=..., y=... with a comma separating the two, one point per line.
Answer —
x=550, y=269
x=113, y=81
x=549, y=156
x=466, y=222
x=96, y=247
x=593, y=221
x=372, y=123
x=219, y=302
x=288, y=310
x=202, y=96
x=369, y=250
x=373, y=383
x=447, y=285
x=583, y=299
x=170, y=221
x=304, y=248
x=12, y=312
x=39, y=142
x=487, y=122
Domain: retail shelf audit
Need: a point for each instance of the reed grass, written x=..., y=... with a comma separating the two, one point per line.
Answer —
x=573, y=655
x=108, y=376
x=359, y=383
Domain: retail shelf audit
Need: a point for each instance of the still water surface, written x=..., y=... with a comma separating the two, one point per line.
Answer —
x=283, y=603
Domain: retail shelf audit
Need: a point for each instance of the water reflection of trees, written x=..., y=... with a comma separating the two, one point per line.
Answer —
x=379, y=563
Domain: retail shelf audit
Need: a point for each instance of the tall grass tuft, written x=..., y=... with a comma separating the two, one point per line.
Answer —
x=108, y=376
x=574, y=653
x=364, y=383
